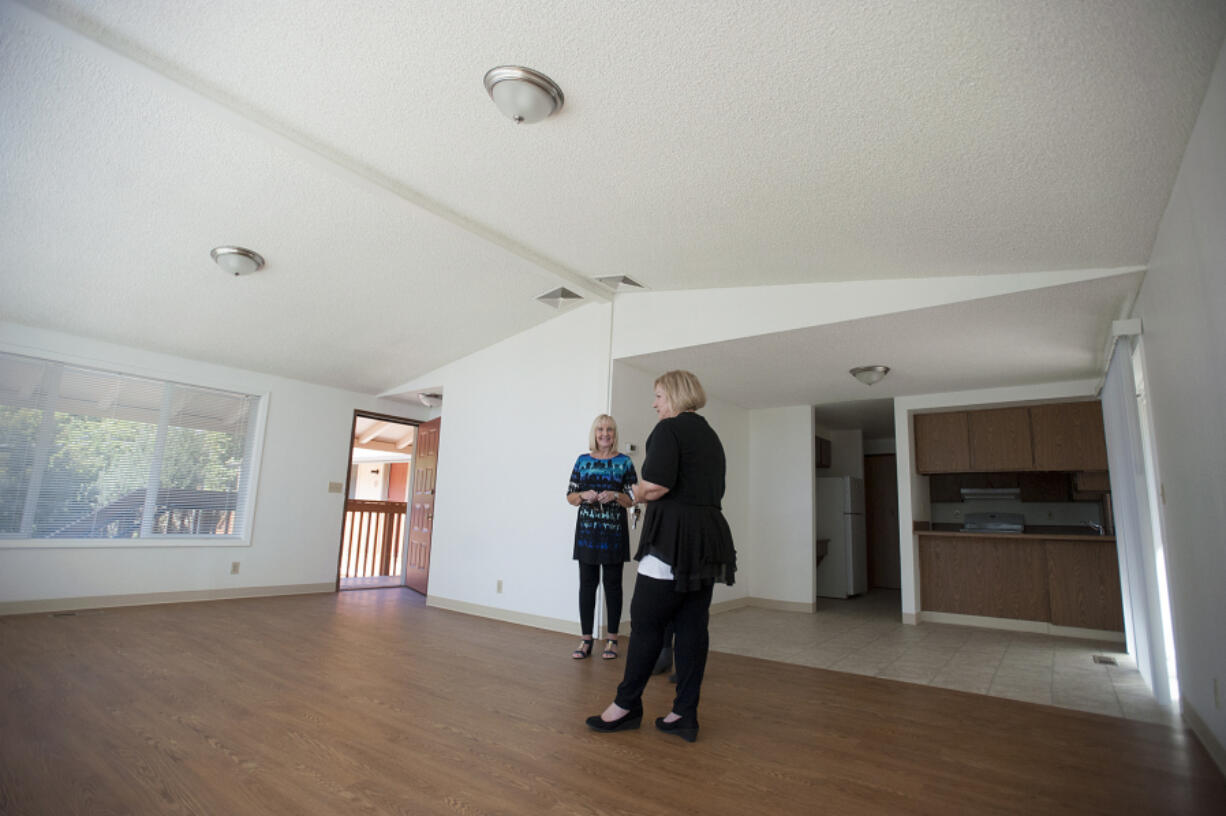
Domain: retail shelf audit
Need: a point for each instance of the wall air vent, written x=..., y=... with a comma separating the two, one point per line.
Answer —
x=559, y=296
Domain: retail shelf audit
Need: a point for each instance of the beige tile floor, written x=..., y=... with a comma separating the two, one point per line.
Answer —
x=864, y=635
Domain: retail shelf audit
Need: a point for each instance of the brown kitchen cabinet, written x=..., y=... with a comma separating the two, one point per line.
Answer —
x=1084, y=585
x=1068, y=436
x=1070, y=581
x=942, y=443
x=994, y=577
x=822, y=452
x=1000, y=439
x=1092, y=481
x=1065, y=436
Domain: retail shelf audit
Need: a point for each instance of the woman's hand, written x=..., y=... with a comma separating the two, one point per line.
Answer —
x=589, y=496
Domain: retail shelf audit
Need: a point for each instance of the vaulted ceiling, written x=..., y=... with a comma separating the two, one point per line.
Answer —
x=407, y=223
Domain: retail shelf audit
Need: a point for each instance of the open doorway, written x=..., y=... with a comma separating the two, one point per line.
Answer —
x=381, y=458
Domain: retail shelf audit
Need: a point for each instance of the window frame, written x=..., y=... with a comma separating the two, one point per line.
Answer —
x=256, y=434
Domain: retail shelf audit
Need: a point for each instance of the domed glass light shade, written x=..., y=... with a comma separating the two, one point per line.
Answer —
x=523, y=95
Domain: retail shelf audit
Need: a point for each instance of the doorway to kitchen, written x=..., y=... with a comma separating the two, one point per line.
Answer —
x=372, y=546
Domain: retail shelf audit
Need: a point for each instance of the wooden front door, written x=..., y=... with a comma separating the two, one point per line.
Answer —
x=421, y=520
x=881, y=520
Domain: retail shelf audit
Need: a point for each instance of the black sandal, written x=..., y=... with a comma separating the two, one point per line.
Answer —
x=584, y=650
x=610, y=649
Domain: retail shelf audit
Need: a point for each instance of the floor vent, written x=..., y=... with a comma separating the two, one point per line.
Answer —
x=63, y=614
x=1107, y=661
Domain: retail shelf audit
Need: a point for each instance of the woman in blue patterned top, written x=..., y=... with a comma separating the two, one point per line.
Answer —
x=601, y=486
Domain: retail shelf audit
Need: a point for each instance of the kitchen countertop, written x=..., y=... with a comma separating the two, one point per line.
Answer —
x=1034, y=533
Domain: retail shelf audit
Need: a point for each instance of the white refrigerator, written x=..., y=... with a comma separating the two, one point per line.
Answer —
x=840, y=519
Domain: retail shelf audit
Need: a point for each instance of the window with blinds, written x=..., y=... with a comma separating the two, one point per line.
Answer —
x=92, y=454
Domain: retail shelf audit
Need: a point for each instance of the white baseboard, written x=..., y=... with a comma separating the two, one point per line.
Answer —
x=730, y=605
x=150, y=598
x=1201, y=729
x=763, y=603
x=1015, y=625
x=570, y=626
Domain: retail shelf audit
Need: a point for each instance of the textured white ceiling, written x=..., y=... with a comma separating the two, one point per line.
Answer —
x=1043, y=335
x=407, y=223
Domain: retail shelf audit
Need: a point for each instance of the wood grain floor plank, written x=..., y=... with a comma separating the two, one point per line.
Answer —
x=370, y=702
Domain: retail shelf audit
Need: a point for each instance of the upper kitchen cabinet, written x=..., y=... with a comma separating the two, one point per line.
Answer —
x=1000, y=439
x=942, y=443
x=1068, y=436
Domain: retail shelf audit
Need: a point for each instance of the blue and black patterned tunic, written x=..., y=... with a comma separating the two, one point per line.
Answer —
x=601, y=534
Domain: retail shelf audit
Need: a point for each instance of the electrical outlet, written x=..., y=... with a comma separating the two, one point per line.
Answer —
x=234, y=568
x=499, y=586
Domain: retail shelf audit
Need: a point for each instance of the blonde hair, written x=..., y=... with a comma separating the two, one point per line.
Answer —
x=591, y=436
x=682, y=390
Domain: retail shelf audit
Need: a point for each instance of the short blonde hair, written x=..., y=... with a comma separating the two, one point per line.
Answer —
x=682, y=390
x=591, y=436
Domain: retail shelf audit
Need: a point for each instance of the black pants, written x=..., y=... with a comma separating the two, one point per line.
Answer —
x=654, y=607
x=589, y=577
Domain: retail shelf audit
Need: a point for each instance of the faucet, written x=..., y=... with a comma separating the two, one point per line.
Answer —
x=1095, y=526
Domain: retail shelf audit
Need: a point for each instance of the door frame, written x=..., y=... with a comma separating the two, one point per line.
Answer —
x=340, y=539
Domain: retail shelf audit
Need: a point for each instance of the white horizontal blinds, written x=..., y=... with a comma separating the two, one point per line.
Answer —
x=88, y=453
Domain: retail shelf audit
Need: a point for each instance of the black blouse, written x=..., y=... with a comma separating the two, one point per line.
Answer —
x=685, y=528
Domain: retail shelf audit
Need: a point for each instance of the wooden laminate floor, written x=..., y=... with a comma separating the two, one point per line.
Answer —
x=370, y=702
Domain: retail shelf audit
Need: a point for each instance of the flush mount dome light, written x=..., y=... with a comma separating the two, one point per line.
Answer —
x=870, y=375
x=237, y=260
x=523, y=95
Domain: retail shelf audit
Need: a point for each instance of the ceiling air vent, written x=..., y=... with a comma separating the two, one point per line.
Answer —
x=558, y=296
x=619, y=282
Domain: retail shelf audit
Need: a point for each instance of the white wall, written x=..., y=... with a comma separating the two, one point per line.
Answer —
x=515, y=416
x=781, y=474
x=295, y=536
x=1181, y=306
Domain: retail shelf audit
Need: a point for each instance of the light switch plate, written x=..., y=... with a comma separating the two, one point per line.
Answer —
x=336, y=487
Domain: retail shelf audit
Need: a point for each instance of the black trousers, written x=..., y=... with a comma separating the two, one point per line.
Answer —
x=589, y=578
x=654, y=607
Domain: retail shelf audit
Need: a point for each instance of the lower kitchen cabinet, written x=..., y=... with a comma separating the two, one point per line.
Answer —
x=1067, y=582
x=1084, y=585
x=994, y=577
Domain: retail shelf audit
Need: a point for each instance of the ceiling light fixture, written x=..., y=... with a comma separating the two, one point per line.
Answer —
x=870, y=375
x=430, y=400
x=523, y=95
x=237, y=260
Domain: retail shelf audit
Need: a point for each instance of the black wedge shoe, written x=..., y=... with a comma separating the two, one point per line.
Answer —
x=631, y=719
x=687, y=730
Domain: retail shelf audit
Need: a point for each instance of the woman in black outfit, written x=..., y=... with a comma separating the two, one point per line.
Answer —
x=685, y=548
